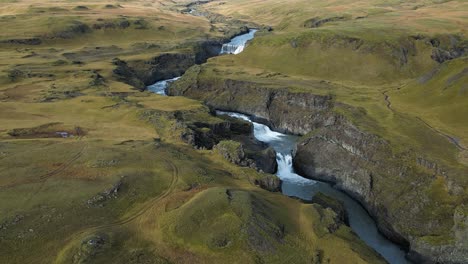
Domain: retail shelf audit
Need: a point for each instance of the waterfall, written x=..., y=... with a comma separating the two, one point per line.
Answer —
x=283, y=146
x=161, y=86
x=286, y=170
x=237, y=44
x=297, y=186
x=232, y=49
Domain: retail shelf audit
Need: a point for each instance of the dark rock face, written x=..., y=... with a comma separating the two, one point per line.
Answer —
x=447, y=47
x=97, y=79
x=206, y=135
x=393, y=186
x=295, y=113
x=205, y=50
x=441, y=55
x=365, y=166
x=164, y=66
x=257, y=156
x=269, y=182
x=265, y=159
x=123, y=72
x=335, y=205
x=141, y=73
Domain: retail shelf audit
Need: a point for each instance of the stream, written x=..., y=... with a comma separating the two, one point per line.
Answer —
x=297, y=186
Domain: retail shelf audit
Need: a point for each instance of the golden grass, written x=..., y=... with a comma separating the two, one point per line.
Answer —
x=290, y=15
x=170, y=104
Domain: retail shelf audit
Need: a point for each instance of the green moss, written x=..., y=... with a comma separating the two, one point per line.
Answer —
x=230, y=146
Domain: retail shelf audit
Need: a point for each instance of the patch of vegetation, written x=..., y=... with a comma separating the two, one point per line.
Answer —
x=47, y=131
x=109, y=6
x=231, y=150
x=80, y=8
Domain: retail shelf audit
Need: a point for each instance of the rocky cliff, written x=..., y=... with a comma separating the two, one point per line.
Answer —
x=141, y=73
x=415, y=205
x=284, y=110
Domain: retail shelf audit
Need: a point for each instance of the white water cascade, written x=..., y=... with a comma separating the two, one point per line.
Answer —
x=161, y=86
x=279, y=142
x=237, y=44
x=298, y=186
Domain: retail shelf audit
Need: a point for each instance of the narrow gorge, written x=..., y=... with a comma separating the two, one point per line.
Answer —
x=333, y=149
x=292, y=184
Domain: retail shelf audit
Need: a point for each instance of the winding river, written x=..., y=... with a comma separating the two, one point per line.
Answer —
x=297, y=186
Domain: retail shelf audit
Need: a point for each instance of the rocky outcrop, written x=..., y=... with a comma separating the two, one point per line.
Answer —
x=328, y=202
x=233, y=152
x=124, y=73
x=399, y=189
x=447, y=47
x=141, y=73
x=164, y=66
x=269, y=182
x=204, y=135
x=264, y=156
x=248, y=153
x=395, y=191
x=232, y=138
x=111, y=193
x=289, y=112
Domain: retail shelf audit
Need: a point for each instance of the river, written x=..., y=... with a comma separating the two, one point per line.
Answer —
x=297, y=186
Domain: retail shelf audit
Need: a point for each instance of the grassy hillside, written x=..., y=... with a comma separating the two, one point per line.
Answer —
x=381, y=17
x=440, y=100
x=94, y=171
